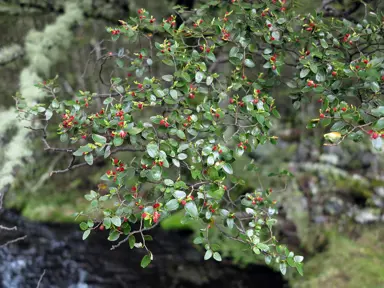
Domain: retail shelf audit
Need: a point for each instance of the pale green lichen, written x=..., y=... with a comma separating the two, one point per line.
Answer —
x=43, y=49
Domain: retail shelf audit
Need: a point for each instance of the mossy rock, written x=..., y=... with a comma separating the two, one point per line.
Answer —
x=347, y=263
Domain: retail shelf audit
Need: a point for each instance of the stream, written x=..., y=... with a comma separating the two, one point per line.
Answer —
x=69, y=261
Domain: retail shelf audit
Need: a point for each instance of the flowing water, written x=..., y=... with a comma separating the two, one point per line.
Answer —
x=71, y=262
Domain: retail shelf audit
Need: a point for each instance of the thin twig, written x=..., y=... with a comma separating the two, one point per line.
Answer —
x=13, y=241
x=41, y=279
x=132, y=233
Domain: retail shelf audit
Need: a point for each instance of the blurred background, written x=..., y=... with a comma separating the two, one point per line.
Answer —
x=331, y=212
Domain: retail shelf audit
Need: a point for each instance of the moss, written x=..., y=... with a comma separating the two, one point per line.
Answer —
x=347, y=263
x=174, y=223
x=46, y=206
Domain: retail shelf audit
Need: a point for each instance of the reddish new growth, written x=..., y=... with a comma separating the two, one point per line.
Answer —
x=68, y=121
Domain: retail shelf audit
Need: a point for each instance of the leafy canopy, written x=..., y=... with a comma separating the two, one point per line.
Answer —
x=188, y=126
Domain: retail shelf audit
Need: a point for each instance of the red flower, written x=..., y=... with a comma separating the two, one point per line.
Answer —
x=156, y=216
x=144, y=215
x=123, y=134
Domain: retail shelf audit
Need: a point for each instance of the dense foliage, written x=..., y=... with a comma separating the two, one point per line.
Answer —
x=189, y=126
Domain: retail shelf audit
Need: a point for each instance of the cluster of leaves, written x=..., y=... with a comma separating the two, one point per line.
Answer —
x=201, y=122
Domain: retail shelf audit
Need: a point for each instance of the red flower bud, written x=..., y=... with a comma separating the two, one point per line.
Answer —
x=156, y=205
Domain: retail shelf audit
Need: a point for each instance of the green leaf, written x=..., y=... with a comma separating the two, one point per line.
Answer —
x=228, y=168
x=290, y=262
x=233, y=52
x=156, y=173
x=198, y=240
x=82, y=149
x=113, y=236
x=48, y=114
x=249, y=63
x=313, y=67
x=323, y=43
x=83, y=226
x=191, y=209
x=108, y=101
x=86, y=234
x=298, y=258
x=169, y=182
x=263, y=247
x=173, y=94
x=296, y=105
x=145, y=261
x=210, y=160
x=132, y=241
x=186, y=76
x=304, y=72
x=180, y=134
x=283, y=268
x=134, y=130
x=379, y=125
x=208, y=254
x=107, y=222
x=260, y=118
x=230, y=223
x=209, y=80
x=116, y=221
x=64, y=137
x=374, y=87
x=153, y=150
x=378, y=112
x=89, y=158
x=199, y=76
x=339, y=125
x=182, y=156
x=172, y=205
x=217, y=256
x=299, y=268
x=118, y=141
x=99, y=139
